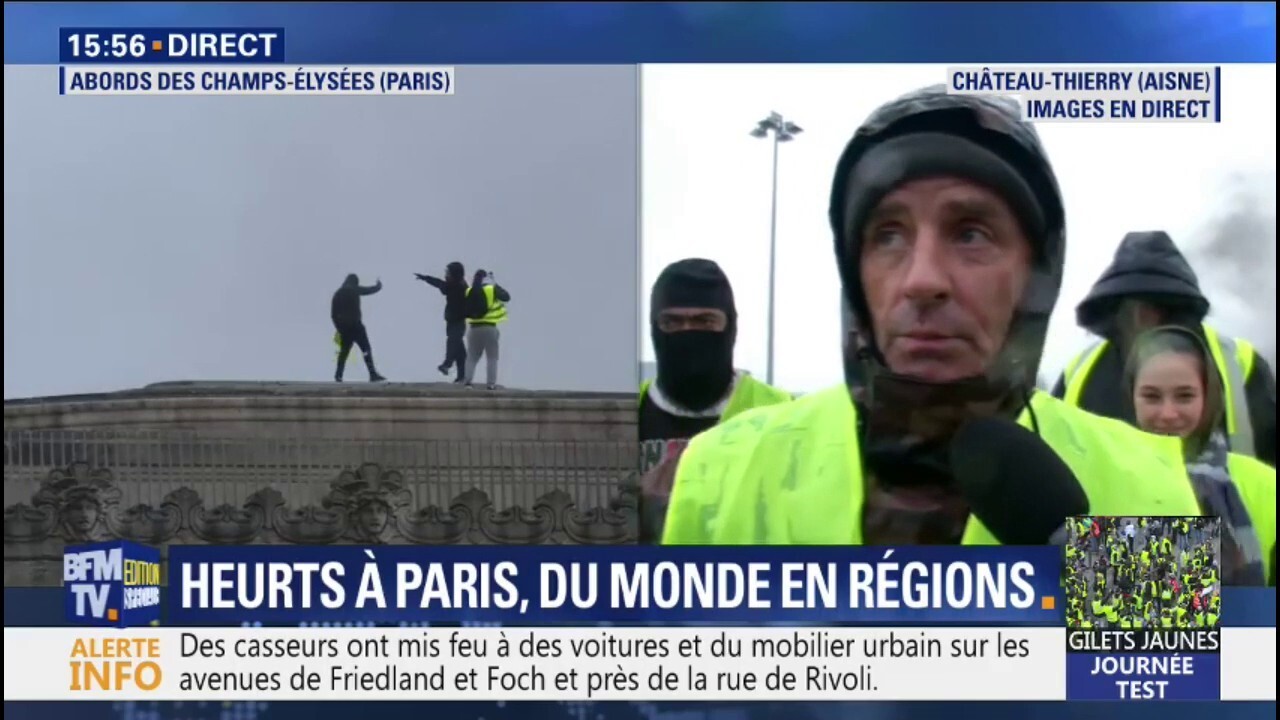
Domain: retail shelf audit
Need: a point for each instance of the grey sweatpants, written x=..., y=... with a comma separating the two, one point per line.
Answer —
x=482, y=340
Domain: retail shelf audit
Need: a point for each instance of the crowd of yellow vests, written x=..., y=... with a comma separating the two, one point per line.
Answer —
x=1163, y=576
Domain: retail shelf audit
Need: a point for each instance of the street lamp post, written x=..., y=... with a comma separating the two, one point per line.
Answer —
x=782, y=131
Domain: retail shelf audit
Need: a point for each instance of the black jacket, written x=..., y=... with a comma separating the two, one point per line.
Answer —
x=345, y=308
x=455, y=296
x=1149, y=265
x=478, y=304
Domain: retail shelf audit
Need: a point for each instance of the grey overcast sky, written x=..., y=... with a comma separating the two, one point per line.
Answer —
x=706, y=187
x=163, y=238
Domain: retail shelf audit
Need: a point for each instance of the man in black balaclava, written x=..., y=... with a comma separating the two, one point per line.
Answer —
x=694, y=325
x=949, y=235
x=1150, y=284
x=348, y=320
x=454, y=288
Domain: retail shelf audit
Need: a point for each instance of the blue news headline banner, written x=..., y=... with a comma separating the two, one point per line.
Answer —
x=678, y=32
x=1007, y=585
x=43, y=607
x=152, y=45
x=1112, y=676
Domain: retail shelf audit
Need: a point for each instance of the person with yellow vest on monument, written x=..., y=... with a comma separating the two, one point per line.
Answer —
x=694, y=327
x=486, y=310
x=1175, y=393
x=1149, y=284
x=949, y=235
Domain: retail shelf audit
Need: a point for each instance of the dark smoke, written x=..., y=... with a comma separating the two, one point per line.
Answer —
x=1235, y=256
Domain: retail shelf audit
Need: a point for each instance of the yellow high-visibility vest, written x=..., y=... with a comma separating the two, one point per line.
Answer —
x=497, y=310
x=792, y=473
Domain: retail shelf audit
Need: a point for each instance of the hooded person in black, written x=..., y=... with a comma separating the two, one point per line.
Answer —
x=454, y=288
x=694, y=325
x=695, y=359
x=348, y=320
x=1150, y=284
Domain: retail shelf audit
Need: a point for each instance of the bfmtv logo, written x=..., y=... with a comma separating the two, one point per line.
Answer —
x=112, y=584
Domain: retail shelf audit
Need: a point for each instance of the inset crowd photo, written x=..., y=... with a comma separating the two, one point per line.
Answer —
x=1143, y=572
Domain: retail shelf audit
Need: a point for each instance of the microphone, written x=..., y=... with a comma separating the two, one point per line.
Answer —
x=1015, y=483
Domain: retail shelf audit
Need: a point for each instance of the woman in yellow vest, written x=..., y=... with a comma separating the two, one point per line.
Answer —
x=1149, y=283
x=1175, y=393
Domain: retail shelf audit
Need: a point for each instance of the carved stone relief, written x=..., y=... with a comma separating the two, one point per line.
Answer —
x=369, y=504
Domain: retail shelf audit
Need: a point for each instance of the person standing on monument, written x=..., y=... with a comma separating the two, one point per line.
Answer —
x=454, y=288
x=349, y=322
x=486, y=310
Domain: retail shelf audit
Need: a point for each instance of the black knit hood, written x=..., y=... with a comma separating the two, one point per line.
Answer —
x=1147, y=266
x=929, y=133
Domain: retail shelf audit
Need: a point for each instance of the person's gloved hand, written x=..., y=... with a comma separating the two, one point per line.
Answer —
x=420, y=276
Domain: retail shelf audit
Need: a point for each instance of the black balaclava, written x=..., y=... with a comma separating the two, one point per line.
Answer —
x=695, y=367
x=455, y=272
x=352, y=280
x=927, y=134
